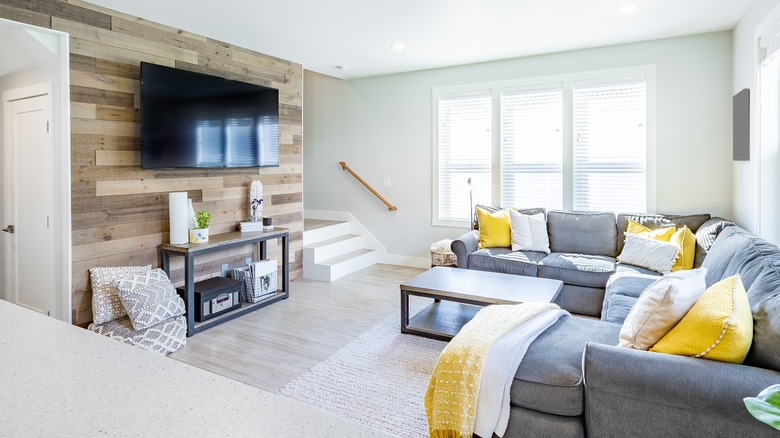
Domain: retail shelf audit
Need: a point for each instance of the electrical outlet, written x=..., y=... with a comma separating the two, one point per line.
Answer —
x=386, y=182
x=224, y=270
x=248, y=261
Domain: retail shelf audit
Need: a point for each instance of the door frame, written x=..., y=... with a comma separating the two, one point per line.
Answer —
x=59, y=89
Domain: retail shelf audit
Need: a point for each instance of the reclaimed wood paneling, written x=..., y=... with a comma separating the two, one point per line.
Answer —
x=120, y=211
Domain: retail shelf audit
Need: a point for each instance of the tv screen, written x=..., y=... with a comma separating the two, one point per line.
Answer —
x=193, y=120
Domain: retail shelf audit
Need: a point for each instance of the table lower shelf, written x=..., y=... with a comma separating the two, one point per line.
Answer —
x=441, y=320
x=244, y=309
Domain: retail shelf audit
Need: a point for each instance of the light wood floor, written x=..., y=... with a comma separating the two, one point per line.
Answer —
x=270, y=347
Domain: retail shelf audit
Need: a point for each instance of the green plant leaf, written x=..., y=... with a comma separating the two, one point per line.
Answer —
x=766, y=406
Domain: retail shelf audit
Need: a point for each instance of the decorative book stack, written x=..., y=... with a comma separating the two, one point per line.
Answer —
x=251, y=226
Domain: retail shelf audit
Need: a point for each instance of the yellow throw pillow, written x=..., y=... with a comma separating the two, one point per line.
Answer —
x=718, y=327
x=662, y=234
x=686, y=240
x=494, y=229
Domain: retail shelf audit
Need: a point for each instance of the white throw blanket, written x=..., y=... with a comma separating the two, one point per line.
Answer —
x=501, y=364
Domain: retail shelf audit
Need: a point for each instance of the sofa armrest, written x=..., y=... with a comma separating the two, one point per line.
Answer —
x=463, y=246
x=641, y=393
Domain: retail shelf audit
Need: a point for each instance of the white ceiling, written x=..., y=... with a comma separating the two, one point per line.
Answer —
x=437, y=33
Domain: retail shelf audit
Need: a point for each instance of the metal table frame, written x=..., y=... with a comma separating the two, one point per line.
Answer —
x=219, y=242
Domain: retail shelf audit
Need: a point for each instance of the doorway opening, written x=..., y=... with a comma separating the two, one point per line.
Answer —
x=34, y=62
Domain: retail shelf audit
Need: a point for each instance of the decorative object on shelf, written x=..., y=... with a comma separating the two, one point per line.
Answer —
x=766, y=406
x=259, y=280
x=201, y=233
x=248, y=227
x=255, y=201
x=268, y=224
x=177, y=214
x=191, y=215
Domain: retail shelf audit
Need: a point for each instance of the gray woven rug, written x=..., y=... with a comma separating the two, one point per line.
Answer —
x=378, y=379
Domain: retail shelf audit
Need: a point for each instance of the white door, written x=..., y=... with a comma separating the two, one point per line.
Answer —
x=28, y=195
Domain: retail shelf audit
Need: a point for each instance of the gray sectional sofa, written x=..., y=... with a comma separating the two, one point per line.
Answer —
x=584, y=247
x=575, y=382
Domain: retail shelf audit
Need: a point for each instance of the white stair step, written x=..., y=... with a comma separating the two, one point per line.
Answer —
x=324, y=232
x=349, y=263
x=330, y=248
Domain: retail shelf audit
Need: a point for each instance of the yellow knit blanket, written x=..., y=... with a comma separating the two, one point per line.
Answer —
x=451, y=398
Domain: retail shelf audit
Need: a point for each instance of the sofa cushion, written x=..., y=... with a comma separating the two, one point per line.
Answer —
x=490, y=209
x=660, y=307
x=648, y=253
x=757, y=262
x=718, y=327
x=549, y=378
x=654, y=221
x=529, y=232
x=706, y=235
x=579, y=269
x=494, y=229
x=506, y=261
x=582, y=232
x=622, y=291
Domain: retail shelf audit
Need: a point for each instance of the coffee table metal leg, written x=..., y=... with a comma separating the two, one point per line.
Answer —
x=404, y=310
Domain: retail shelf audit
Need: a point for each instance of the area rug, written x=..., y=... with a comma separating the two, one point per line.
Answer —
x=378, y=379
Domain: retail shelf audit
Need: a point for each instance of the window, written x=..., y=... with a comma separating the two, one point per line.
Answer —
x=465, y=151
x=610, y=146
x=532, y=147
x=578, y=141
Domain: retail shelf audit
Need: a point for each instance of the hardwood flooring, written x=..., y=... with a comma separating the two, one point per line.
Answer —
x=272, y=346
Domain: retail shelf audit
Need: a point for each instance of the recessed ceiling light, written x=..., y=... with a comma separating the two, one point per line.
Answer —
x=627, y=8
x=397, y=46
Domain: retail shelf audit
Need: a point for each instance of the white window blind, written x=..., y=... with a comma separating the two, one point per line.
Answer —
x=532, y=147
x=464, y=151
x=610, y=146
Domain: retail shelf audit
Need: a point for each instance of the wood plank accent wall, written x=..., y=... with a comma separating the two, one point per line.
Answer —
x=119, y=211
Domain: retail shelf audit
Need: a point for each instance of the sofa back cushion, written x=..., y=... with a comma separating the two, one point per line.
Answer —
x=655, y=221
x=757, y=261
x=590, y=233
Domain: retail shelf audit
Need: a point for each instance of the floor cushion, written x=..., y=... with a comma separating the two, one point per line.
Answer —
x=163, y=338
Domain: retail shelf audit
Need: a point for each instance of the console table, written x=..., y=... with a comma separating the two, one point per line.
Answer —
x=219, y=242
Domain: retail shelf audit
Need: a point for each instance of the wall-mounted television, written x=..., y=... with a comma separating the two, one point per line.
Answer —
x=194, y=120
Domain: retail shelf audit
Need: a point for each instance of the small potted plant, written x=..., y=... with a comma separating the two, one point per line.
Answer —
x=201, y=233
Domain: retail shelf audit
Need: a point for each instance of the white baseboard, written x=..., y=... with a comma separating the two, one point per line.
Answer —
x=412, y=262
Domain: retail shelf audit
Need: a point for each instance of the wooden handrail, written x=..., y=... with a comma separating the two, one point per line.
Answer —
x=389, y=205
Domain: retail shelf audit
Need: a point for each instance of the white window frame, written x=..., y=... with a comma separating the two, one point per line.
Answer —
x=567, y=81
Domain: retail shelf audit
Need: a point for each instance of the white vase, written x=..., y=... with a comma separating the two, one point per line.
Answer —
x=199, y=235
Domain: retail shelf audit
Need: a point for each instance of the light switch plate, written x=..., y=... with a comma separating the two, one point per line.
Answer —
x=385, y=182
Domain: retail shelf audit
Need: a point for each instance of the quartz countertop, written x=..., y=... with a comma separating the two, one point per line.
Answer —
x=57, y=379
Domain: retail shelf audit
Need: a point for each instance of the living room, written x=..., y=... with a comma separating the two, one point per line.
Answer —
x=382, y=127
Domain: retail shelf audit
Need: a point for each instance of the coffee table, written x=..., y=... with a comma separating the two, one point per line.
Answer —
x=460, y=293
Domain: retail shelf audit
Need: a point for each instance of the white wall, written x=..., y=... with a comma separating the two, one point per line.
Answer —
x=381, y=127
x=745, y=72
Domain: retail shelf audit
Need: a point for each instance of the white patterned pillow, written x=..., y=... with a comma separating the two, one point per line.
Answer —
x=654, y=255
x=149, y=298
x=105, y=299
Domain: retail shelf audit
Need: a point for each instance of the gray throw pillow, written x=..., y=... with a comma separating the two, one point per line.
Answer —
x=105, y=299
x=149, y=298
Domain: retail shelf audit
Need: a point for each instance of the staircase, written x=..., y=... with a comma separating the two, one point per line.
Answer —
x=335, y=248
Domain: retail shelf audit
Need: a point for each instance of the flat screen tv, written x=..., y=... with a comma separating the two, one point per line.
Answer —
x=194, y=120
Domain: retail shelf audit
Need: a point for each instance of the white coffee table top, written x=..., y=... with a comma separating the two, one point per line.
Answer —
x=483, y=286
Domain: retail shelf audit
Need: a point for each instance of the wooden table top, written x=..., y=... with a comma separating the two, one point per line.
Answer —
x=487, y=287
